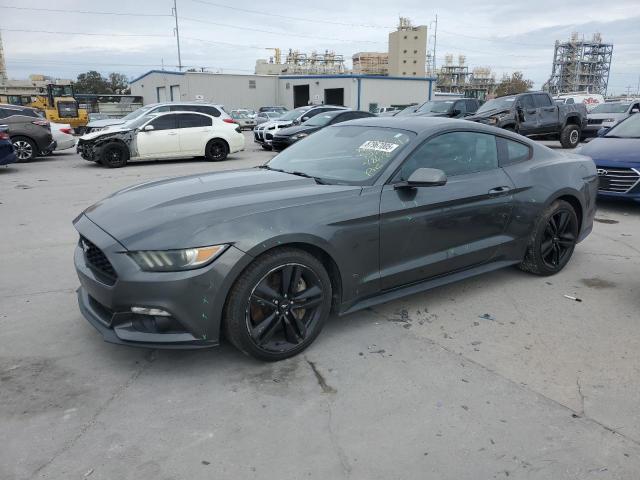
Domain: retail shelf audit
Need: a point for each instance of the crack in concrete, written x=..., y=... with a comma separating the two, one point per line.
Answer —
x=326, y=388
x=520, y=386
x=581, y=395
x=150, y=358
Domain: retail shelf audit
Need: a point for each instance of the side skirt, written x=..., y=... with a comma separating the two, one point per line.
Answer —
x=414, y=288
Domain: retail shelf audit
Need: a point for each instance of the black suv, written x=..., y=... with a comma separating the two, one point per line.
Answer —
x=459, y=108
x=28, y=131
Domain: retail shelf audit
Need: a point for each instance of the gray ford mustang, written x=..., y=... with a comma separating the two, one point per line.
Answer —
x=357, y=214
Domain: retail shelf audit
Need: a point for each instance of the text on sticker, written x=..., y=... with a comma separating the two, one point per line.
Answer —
x=386, y=147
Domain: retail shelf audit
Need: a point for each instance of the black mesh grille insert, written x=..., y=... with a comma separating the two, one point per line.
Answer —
x=97, y=260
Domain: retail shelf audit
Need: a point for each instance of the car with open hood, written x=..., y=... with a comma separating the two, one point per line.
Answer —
x=357, y=214
x=163, y=136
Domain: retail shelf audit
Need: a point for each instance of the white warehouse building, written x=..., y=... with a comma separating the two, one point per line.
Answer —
x=359, y=92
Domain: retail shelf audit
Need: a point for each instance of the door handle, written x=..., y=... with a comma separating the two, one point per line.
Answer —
x=499, y=190
x=172, y=133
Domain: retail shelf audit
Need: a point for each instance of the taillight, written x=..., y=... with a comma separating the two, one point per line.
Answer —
x=42, y=123
x=229, y=120
x=68, y=131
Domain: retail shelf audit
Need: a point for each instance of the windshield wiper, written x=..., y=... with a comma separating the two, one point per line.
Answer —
x=319, y=181
x=306, y=175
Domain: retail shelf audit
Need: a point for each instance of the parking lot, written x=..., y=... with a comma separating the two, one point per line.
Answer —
x=499, y=376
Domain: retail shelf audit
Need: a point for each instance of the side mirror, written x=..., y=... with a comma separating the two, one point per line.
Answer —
x=148, y=128
x=455, y=112
x=305, y=118
x=424, y=177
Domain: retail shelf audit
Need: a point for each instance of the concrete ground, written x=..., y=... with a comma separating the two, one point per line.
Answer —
x=493, y=377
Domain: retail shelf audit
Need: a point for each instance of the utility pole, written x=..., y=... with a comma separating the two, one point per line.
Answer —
x=177, y=33
x=435, y=43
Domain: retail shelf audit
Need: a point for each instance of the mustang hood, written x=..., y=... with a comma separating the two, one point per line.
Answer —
x=105, y=123
x=210, y=209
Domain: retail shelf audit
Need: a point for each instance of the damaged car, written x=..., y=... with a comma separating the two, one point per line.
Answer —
x=359, y=213
x=167, y=135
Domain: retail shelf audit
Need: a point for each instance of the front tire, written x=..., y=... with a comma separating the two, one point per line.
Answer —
x=267, y=147
x=553, y=240
x=25, y=148
x=570, y=136
x=114, y=155
x=216, y=150
x=278, y=305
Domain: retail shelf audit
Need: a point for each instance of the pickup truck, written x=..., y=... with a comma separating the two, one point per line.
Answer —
x=534, y=114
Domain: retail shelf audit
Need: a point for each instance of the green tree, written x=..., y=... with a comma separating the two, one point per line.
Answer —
x=91, y=82
x=512, y=84
x=94, y=82
x=118, y=83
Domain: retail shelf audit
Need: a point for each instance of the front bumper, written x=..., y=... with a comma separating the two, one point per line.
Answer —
x=194, y=298
x=280, y=143
x=618, y=180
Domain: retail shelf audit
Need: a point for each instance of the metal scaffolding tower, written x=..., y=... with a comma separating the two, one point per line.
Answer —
x=580, y=66
x=3, y=66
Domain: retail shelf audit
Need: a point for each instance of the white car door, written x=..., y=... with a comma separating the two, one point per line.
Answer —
x=194, y=129
x=162, y=140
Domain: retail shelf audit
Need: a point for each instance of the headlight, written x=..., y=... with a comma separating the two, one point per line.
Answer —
x=175, y=260
x=608, y=120
x=299, y=136
x=492, y=121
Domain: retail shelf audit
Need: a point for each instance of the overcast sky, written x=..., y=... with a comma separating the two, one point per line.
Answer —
x=229, y=35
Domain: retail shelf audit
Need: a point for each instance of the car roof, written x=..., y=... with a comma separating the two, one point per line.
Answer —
x=206, y=104
x=421, y=125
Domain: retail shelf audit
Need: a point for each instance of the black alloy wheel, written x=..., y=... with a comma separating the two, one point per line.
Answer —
x=279, y=305
x=559, y=239
x=216, y=151
x=283, y=307
x=114, y=155
x=553, y=240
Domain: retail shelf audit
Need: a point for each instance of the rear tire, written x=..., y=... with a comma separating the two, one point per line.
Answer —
x=114, y=155
x=552, y=241
x=570, y=136
x=264, y=317
x=25, y=148
x=216, y=150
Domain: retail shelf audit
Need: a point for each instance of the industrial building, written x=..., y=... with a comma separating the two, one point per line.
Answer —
x=456, y=78
x=300, y=63
x=580, y=65
x=370, y=63
x=408, y=50
x=3, y=65
x=362, y=92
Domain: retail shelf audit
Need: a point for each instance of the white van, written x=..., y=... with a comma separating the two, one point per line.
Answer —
x=590, y=100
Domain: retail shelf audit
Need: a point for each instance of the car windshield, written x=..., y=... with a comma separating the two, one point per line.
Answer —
x=319, y=120
x=293, y=114
x=137, y=123
x=407, y=111
x=630, y=128
x=239, y=115
x=136, y=113
x=353, y=155
x=435, y=107
x=611, y=108
x=273, y=114
x=504, y=103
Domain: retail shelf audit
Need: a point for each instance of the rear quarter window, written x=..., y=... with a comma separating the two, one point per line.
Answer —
x=513, y=152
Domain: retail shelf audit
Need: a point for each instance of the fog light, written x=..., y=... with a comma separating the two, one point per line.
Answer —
x=156, y=312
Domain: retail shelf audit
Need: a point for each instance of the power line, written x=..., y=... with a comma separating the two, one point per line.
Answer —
x=287, y=34
x=87, y=12
x=300, y=19
x=86, y=33
x=36, y=62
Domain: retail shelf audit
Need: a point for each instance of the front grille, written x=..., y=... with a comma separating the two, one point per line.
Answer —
x=97, y=261
x=619, y=180
x=595, y=121
x=268, y=136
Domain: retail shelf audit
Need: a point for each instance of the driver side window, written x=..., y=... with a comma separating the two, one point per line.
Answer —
x=164, y=122
x=455, y=153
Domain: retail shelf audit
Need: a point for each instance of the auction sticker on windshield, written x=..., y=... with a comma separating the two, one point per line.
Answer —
x=378, y=146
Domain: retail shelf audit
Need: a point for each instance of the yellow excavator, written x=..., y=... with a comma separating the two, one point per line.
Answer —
x=60, y=106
